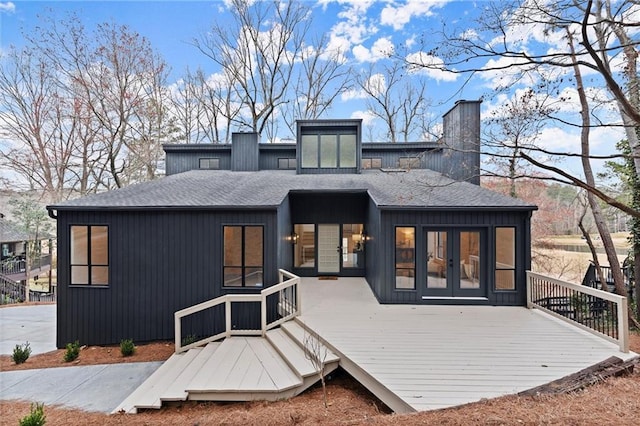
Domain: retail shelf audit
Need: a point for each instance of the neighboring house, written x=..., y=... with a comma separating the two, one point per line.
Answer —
x=17, y=265
x=409, y=217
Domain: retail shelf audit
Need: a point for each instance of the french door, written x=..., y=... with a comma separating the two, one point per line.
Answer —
x=454, y=263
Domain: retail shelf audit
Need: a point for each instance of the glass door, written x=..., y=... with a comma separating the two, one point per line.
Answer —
x=454, y=264
x=329, y=249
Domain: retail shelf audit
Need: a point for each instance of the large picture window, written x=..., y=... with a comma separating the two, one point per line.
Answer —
x=505, y=259
x=406, y=258
x=89, y=255
x=243, y=256
x=328, y=151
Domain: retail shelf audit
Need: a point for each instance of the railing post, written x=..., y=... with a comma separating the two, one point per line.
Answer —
x=263, y=313
x=529, y=282
x=623, y=325
x=298, y=296
x=178, y=331
x=227, y=317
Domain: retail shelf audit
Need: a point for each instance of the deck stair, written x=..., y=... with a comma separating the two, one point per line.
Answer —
x=237, y=369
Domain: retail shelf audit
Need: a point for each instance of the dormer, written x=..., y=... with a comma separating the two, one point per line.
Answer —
x=328, y=146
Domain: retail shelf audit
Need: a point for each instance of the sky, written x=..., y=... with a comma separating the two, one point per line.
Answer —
x=364, y=29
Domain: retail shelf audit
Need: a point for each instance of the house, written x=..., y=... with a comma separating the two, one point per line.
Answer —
x=409, y=217
x=19, y=264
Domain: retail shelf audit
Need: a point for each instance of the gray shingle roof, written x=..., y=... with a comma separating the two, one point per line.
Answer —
x=10, y=233
x=268, y=188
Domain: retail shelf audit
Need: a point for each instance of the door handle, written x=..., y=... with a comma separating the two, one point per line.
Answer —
x=450, y=263
x=339, y=249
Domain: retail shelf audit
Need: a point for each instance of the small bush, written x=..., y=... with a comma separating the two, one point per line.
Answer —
x=73, y=351
x=189, y=339
x=35, y=418
x=127, y=348
x=21, y=353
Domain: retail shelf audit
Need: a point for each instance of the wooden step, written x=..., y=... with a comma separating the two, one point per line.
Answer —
x=243, y=365
x=293, y=354
x=177, y=390
x=299, y=335
x=147, y=395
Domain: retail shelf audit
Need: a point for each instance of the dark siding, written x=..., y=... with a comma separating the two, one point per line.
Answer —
x=244, y=152
x=270, y=153
x=285, y=229
x=390, y=154
x=383, y=286
x=188, y=158
x=328, y=208
x=461, y=127
x=374, y=249
x=159, y=262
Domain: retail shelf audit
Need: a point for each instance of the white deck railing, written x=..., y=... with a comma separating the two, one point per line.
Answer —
x=599, y=312
x=288, y=306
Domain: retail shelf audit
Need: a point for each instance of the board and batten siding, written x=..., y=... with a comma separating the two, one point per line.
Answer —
x=189, y=158
x=159, y=262
x=381, y=274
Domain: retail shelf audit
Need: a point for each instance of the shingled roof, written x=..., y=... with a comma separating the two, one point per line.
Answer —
x=10, y=233
x=218, y=189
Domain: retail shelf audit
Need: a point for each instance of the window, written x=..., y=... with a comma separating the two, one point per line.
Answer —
x=353, y=245
x=328, y=150
x=89, y=255
x=286, y=163
x=409, y=162
x=505, y=259
x=371, y=163
x=243, y=256
x=304, y=252
x=406, y=258
x=209, y=163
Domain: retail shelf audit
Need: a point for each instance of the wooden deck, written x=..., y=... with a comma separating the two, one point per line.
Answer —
x=417, y=358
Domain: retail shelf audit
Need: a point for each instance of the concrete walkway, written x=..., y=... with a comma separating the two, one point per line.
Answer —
x=91, y=388
x=34, y=324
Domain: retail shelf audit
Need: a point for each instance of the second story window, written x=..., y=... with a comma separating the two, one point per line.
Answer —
x=328, y=150
x=372, y=163
x=209, y=164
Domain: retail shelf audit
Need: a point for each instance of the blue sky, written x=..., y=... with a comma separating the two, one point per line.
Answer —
x=364, y=29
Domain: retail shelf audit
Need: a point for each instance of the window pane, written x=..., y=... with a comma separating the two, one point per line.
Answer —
x=79, y=275
x=405, y=257
x=436, y=262
x=283, y=163
x=347, y=150
x=376, y=163
x=469, y=259
x=304, y=253
x=232, y=246
x=352, y=246
x=309, y=154
x=505, y=248
x=365, y=163
x=405, y=279
x=100, y=275
x=506, y=280
x=328, y=151
x=233, y=277
x=253, y=277
x=253, y=246
x=99, y=245
x=79, y=249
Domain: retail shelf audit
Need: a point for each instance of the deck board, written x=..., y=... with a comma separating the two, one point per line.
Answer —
x=439, y=356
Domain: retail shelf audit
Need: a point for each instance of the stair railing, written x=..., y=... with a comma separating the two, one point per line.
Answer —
x=288, y=304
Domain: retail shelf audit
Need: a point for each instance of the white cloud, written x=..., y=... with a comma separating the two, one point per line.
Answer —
x=430, y=66
x=399, y=15
x=7, y=7
x=382, y=48
x=368, y=118
x=376, y=84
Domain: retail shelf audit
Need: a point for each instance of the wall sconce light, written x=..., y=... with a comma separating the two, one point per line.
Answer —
x=363, y=237
x=294, y=238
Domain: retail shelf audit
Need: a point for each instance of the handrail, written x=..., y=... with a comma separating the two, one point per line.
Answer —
x=286, y=288
x=558, y=289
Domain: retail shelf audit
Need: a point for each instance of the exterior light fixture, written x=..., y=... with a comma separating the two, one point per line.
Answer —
x=294, y=238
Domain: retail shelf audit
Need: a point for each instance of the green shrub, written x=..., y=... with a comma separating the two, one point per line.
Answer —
x=189, y=339
x=127, y=348
x=35, y=418
x=21, y=353
x=73, y=351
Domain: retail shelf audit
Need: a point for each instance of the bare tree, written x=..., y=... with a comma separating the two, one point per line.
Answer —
x=317, y=354
x=257, y=49
x=395, y=99
x=322, y=76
